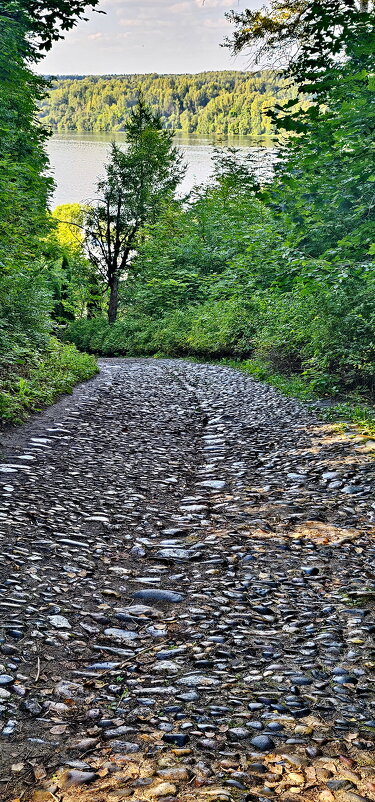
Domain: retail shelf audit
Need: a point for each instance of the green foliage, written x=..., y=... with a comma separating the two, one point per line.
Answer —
x=41, y=379
x=44, y=20
x=23, y=188
x=360, y=414
x=69, y=275
x=197, y=249
x=50, y=19
x=310, y=36
x=326, y=184
x=33, y=369
x=326, y=175
x=205, y=103
x=126, y=336
x=25, y=304
x=177, y=333
x=295, y=386
x=216, y=277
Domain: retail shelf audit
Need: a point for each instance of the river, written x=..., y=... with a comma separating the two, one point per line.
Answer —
x=77, y=160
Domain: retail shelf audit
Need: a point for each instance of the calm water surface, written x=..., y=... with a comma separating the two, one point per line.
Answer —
x=77, y=160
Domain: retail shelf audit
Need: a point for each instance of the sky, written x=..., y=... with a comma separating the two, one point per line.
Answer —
x=138, y=36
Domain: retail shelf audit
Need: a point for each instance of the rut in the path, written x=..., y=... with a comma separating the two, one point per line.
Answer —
x=186, y=595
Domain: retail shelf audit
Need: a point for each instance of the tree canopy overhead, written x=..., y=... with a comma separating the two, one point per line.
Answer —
x=298, y=32
x=306, y=38
x=46, y=21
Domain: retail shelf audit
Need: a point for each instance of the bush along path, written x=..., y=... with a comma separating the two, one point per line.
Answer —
x=40, y=379
x=187, y=595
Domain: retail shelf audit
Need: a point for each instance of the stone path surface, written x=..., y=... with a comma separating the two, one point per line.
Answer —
x=187, y=593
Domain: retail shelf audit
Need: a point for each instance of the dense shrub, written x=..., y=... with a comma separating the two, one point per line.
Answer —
x=41, y=379
x=326, y=332
x=24, y=316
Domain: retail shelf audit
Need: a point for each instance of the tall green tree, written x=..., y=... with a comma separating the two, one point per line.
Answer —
x=27, y=30
x=325, y=177
x=23, y=187
x=138, y=183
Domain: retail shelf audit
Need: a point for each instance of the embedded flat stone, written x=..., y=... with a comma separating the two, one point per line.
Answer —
x=59, y=622
x=194, y=680
x=174, y=554
x=121, y=634
x=156, y=594
x=212, y=484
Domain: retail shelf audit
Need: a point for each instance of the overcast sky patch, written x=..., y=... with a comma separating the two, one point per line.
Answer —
x=163, y=36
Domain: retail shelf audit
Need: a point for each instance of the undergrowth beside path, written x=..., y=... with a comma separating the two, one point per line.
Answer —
x=37, y=381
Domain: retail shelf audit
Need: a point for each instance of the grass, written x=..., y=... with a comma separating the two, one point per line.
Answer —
x=295, y=386
x=40, y=379
x=360, y=414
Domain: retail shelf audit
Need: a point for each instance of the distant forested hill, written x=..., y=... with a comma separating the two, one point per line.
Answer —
x=206, y=103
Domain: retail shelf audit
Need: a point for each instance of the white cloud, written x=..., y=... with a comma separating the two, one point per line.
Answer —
x=215, y=24
x=130, y=23
x=215, y=3
x=178, y=7
x=161, y=36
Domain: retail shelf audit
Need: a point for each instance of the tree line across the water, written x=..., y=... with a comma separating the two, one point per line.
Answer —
x=275, y=271
x=228, y=102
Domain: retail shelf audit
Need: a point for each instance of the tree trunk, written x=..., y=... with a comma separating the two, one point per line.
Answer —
x=93, y=306
x=113, y=299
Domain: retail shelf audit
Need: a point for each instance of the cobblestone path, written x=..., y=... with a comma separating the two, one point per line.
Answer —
x=187, y=591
